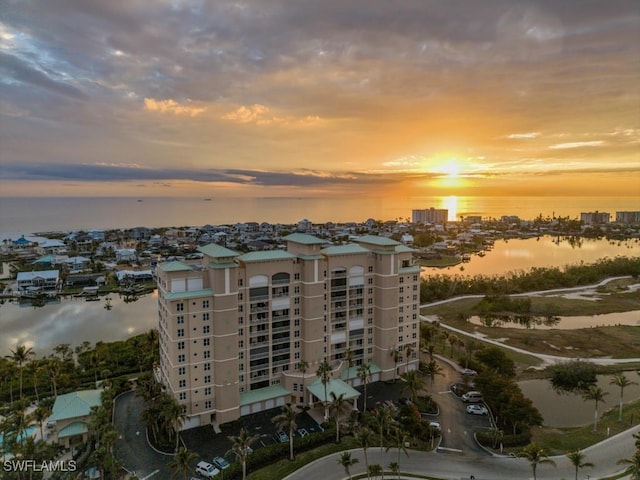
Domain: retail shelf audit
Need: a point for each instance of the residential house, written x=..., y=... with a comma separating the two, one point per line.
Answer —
x=71, y=416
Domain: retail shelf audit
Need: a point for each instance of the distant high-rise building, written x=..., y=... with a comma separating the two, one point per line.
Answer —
x=234, y=328
x=628, y=217
x=595, y=218
x=430, y=215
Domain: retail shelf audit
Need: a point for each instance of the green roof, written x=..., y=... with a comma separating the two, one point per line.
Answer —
x=267, y=393
x=403, y=248
x=174, y=267
x=335, y=386
x=222, y=265
x=304, y=238
x=266, y=255
x=304, y=256
x=352, y=372
x=375, y=240
x=205, y=292
x=75, y=404
x=349, y=249
x=45, y=259
x=75, y=428
x=412, y=269
x=217, y=251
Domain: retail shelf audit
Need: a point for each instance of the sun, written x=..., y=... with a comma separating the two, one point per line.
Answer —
x=450, y=168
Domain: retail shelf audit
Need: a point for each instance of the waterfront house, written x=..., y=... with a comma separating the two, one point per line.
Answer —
x=43, y=281
x=71, y=415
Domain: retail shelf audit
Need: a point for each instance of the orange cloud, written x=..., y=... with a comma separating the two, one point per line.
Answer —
x=171, y=107
x=261, y=115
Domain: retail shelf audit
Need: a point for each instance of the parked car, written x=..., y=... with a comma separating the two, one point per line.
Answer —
x=283, y=437
x=472, y=397
x=206, y=470
x=221, y=463
x=467, y=372
x=435, y=426
x=477, y=410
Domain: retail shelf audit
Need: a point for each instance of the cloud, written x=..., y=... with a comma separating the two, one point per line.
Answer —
x=172, y=107
x=564, y=146
x=527, y=135
x=261, y=115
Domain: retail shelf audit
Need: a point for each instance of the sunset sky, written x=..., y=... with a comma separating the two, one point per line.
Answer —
x=315, y=97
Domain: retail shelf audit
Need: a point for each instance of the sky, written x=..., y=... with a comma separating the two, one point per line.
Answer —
x=313, y=98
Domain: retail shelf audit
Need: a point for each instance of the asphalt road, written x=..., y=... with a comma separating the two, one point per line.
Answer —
x=131, y=446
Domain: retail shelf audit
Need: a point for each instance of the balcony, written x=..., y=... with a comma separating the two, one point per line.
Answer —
x=285, y=281
x=258, y=298
x=280, y=329
x=258, y=356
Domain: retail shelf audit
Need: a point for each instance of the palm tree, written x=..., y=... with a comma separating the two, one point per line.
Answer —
x=364, y=374
x=347, y=461
x=240, y=445
x=364, y=438
x=383, y=417
x=597, y=395
x=576, y=458
x=395, y=354
x=620, y=380
x=324, y=373
x=338, y=406
x=348, y=356
x=414, y=383
x=399, y=439
x=21, y=355
x=432, y=369
x=633, y=464
x=408, y=350
x=536, y=455
x=303, y=366
x=395, y=468
x=173, y=416
x=287, y=419
x=54, y=369
x=181, y=463
x=40, y=414
x=376, y=470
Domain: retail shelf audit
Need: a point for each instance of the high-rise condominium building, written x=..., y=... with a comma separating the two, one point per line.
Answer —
x=242, y=333
x=430, y=215
x=590, y=218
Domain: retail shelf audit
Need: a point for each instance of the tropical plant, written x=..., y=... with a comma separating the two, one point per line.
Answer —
x=432, y=369
x=347, y=461
x=399, y=439
x=364, y=374
x=375, y=470
x=621, y=381
x=364, y=438
x=324, y=374
x=396, y=355
x=40, y=414
x=633, y=465
x=339, y=406
x=413, y=383
x=383, y=417
x=408, y=351
x=287, y=419
x=181, y=463
x=535, y=455
x=597, y=395
x=240, y=446
x=576, y=458
x=395, y=469
x=21, y=355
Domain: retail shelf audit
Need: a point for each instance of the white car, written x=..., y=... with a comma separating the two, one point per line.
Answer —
x=206, y=470
x=467, y=372
x=435, y=426
x=477, y=410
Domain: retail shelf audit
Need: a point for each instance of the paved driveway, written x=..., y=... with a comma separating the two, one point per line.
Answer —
x=131, y=446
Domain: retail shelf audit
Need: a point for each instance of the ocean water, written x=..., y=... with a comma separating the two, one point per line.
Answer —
x=39, y=214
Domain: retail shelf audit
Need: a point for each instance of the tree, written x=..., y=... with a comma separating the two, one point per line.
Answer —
x=597, y=395
x=413, y=382
x=408, y=351
x=497, y=361
x=364, y=374
x=21, y=355
x=432, y=369
x=364, y=438
x=181, y=463
x=339, y=405
x=173, y=416
x=347, y=462
x=240, y=446
x=375, y=470
x=383, y=417
x=621, y=381
x=287, y=419
x=399, y=439
x=395, y=355
x=40, y=414
x=395, y=468
x=536, y=455
x=324, y=373
x=572, y=376
x=576, y=458
x=633, y=465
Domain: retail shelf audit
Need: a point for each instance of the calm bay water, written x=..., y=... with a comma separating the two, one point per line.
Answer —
x=37, y=214
x=75, y=320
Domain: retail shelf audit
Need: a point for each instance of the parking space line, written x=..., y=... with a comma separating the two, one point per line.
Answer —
x=150, y=475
